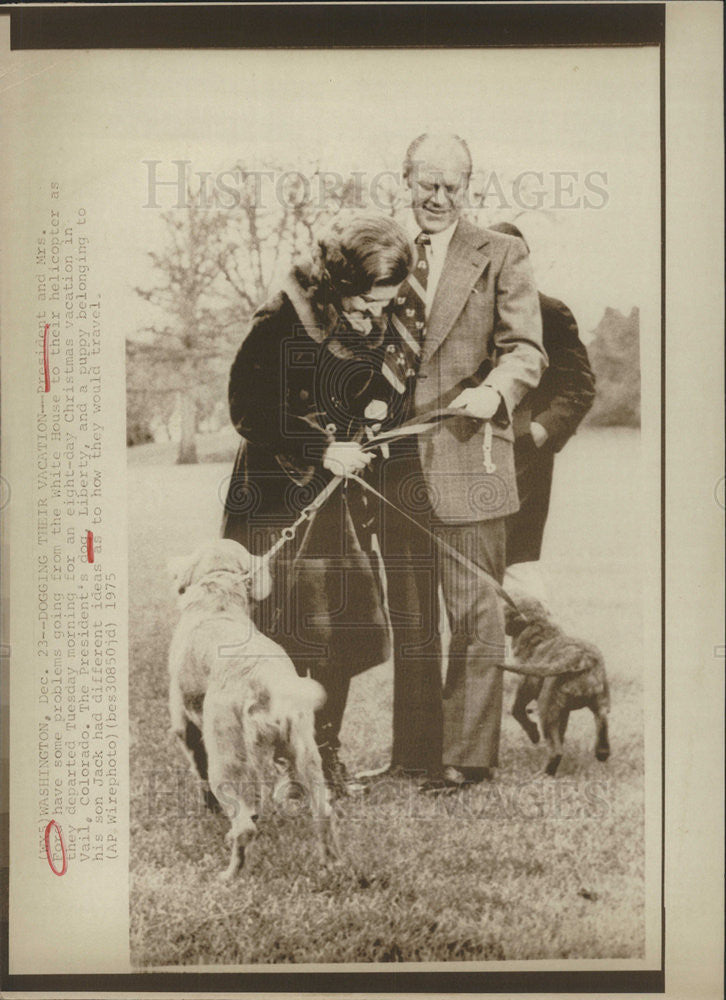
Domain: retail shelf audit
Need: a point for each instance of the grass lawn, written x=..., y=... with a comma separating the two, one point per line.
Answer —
x=526, y=868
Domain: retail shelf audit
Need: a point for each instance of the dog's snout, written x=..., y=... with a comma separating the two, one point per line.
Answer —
x=254, y=817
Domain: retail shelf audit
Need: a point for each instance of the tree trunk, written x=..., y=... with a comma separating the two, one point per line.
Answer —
x=188, y=444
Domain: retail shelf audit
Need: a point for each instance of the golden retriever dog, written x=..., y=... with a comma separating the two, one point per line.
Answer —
x=236, y=701
x=559, y=672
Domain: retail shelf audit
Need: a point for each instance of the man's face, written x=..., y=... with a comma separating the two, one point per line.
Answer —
x=438, y=183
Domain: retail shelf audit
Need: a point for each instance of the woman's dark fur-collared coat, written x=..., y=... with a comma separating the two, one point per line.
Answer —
x=302, y=379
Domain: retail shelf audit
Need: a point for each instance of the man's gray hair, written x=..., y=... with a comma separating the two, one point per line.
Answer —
x=410, y=157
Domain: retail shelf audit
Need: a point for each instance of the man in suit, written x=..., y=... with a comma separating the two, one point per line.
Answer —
x=470, y=314
x=544, y=422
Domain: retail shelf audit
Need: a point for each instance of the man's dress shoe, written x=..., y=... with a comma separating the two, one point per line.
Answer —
x=391, y=771
x=453, y=779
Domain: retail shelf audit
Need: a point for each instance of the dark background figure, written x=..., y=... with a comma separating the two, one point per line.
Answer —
x=544, y=421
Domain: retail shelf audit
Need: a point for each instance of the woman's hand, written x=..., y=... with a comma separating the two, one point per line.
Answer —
x=343, y=458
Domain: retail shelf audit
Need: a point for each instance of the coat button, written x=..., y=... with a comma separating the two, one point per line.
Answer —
x=304, y=395
x=376, y=410
x=391, y=349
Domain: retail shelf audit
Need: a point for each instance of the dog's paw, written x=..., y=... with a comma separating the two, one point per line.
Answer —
x=211, y=802
x=552, y=764
x=532, y=731
x=236, y=863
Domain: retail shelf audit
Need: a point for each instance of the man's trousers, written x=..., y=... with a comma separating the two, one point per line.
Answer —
x=472, y=697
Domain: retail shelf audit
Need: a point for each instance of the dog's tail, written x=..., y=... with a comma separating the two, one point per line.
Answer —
x=545, y=668
x=298, y=694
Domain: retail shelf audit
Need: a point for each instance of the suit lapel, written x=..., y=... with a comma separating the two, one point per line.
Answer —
x=465, y=260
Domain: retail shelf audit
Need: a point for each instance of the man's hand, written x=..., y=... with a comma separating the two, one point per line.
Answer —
x=343, y=458
x=481, y=401
x=539, y=434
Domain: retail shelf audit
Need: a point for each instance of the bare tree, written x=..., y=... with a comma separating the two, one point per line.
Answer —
x=220, y=257
x=175, y=355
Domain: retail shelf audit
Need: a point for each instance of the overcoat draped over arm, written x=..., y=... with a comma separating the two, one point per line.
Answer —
x=560, y=401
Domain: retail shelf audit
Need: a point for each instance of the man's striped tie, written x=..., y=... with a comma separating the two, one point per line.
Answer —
x=409, y=316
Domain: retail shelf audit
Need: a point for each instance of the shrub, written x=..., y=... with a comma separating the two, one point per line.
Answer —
x=615, y=358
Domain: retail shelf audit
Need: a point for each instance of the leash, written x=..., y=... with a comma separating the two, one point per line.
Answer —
x=428, y=422
x=420, y=424
x=526, y=670
x=306, y=514
x=444, y=546
x=529, y=670
x=414, y=427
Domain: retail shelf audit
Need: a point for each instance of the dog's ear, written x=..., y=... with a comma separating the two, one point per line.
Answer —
x=181, y=569
x=514, y=621
x=510, y=614
x=256, y=573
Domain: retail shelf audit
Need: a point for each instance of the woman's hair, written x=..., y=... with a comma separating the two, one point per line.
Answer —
x=358, y=251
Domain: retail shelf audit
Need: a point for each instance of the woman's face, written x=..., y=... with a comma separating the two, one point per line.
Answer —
x=363, y=310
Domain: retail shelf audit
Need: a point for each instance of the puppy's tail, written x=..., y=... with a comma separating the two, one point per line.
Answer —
x=544, y=668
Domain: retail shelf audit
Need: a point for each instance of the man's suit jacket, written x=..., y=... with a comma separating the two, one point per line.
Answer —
x=484, y=325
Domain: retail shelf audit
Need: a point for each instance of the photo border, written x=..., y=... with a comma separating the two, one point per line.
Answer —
x=252, y=26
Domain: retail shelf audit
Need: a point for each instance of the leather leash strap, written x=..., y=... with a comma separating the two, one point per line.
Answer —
x=421, y=425
x=417, y=425
x=473, y=567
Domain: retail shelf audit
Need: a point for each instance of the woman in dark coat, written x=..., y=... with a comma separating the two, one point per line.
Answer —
x=318, y=372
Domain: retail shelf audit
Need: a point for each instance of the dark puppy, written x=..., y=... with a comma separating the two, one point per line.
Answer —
x=561, y=673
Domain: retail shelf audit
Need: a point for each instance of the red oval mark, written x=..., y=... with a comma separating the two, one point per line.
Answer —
x=89, y=546
x=59, y=835
x=46, y=367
